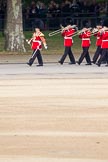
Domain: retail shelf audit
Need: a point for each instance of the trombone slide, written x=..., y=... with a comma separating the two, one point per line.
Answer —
x=62, y=29
x=55, y=32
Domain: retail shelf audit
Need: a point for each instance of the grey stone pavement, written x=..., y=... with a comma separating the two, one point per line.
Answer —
x=11, y=65
x=53, y=70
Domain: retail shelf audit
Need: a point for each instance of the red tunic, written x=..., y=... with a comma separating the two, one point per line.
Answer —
x=85, y=36
x=67, y=34
x=36, y=43
x=99, y=39
x=104, y=39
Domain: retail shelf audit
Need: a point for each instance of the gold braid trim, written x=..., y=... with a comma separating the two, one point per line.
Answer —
x=41, y=34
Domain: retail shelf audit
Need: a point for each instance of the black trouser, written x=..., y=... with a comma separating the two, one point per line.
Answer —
x=36, y=53
x=97, y=54
x=68, y=52
x=103, y=56
x=85, y=54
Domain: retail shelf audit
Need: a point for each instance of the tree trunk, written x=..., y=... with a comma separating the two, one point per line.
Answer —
x=14, y=38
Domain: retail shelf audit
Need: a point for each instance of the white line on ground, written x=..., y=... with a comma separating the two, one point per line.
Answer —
x=31, y=159
x=55, y=133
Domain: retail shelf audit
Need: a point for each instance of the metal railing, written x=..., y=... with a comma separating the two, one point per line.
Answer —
x=52, y=23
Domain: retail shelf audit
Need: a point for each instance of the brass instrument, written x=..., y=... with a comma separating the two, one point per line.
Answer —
x=94, y=31
x=99, y=29
x=55, y=32
x=81, y=31
x=104, y=29
x=61, y=30
x=76, y=33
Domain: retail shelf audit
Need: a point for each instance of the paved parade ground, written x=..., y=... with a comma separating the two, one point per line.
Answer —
x=54, y=113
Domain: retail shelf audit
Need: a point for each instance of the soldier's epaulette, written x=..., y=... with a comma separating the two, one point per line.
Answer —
x=41, y=34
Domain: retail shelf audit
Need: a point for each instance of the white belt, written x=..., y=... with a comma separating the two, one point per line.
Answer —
x=67, y=37
x=85, y=38
x=36, y=41
x=104, y=40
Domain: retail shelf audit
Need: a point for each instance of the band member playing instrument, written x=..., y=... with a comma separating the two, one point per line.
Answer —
x=98, y=35
x=104, y=45
x=67, y=33
x=36, y=45
x=85, y=36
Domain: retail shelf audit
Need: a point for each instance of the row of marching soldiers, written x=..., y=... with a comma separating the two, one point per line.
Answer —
x=68, y=32
x=100, y=32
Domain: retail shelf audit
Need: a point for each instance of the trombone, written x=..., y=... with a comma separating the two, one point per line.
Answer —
x=94, y=31
x=60, y=30
x=55, y=32
x=81, y=31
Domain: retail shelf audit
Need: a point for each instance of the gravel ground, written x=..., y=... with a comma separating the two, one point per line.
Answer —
x=55, y=113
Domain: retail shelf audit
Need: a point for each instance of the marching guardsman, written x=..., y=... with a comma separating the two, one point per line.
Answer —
x=36, y=44
x=98, y=36
x=67, y=33
x=85, y=35
x=104, y=45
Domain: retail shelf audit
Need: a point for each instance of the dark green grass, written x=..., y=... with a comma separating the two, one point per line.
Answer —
x=55, y=44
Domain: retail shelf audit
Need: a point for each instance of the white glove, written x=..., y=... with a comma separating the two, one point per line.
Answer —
x=73, y=26
x=95, y=31
x=45, y=46
x=27, y=41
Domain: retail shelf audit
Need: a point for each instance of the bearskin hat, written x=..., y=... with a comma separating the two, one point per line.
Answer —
x=99, y=23
x=105, y=22
x=68, y=21
x=86, y=24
